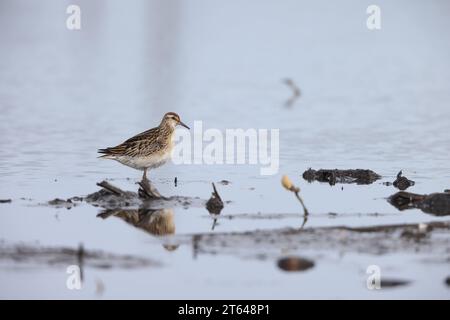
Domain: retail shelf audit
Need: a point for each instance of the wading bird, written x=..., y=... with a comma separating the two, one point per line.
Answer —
x=149, y=149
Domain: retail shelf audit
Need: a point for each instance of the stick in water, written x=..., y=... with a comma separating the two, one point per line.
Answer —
x=286, y=182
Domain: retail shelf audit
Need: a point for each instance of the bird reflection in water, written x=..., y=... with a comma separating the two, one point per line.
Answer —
x=158, y=222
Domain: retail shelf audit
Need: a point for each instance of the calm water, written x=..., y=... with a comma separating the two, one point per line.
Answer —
x=370, y=99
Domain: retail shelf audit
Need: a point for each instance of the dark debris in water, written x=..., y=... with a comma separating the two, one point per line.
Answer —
x=215, y=204
x=391, y=283
x=402, y=183
x=5, y=200
x=435, y=203
x=447, y=281
x=333, y=176
x=67, y=204
x=295, y=264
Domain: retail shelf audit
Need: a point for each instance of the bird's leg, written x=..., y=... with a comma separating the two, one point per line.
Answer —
x=144, y=176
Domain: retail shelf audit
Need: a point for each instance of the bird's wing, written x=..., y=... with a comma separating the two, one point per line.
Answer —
x=144, y=135
x=144, y=143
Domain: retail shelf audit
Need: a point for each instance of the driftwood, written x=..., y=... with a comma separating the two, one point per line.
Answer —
x=148, y=191
x=106, y=185
x=112, y=197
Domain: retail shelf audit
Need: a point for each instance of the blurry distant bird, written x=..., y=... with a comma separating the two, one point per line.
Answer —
x=295, y=92
x=149, y=149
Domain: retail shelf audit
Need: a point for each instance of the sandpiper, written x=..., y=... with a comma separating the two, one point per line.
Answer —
x=149, y=149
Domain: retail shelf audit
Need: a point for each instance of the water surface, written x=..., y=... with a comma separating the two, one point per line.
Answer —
x=370, y=99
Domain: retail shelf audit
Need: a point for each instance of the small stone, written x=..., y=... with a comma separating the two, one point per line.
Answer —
x=295, y=264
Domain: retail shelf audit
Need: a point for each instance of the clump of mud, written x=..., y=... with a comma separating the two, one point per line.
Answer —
x=432, y=237
x=402, y=183
x=113, y=198
x=107, y=199
x=333, y=176
x=68, y=203
x=215, y=204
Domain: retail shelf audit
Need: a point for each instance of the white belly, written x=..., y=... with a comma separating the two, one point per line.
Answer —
x=142, y=163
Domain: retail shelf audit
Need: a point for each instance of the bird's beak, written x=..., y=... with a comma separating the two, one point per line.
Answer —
x=182, y=124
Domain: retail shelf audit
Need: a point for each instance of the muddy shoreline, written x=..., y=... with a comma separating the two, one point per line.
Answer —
x=427, y=242
x=431, y=237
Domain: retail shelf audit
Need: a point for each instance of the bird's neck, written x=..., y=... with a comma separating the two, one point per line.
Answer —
x=167, y=130
x=167, y=127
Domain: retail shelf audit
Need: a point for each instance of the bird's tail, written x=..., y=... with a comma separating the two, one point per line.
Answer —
x=106, y=153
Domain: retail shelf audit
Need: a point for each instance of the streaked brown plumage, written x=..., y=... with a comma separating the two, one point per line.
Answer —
x=149, y=149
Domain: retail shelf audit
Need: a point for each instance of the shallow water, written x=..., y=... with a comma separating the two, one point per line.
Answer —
x=370, y=99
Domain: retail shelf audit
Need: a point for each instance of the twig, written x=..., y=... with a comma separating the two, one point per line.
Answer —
x=109, y=187
x=287, y=184
x=214, y=224
x=301, y=201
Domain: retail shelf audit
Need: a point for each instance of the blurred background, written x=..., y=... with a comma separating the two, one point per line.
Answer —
x=372, y=99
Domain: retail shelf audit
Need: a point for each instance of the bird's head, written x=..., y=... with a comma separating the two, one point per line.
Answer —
x=172, y=119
